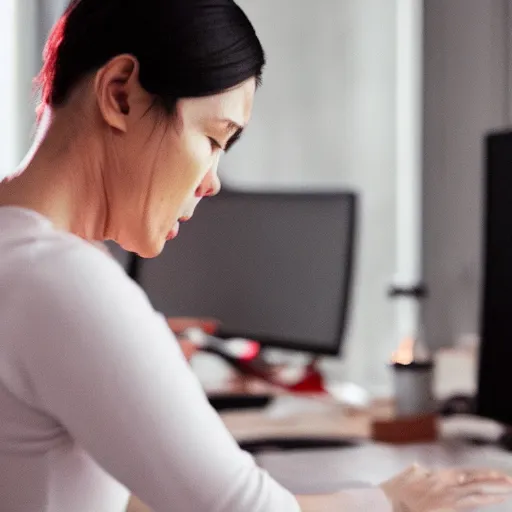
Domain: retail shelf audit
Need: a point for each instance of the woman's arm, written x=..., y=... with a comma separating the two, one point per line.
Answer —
x=356, y=501
x=177, y=324
x=105, y=365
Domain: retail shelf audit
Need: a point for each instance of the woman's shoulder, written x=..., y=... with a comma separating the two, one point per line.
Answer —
x=31, y=248
x=62, y=268
x=70, y=289
x=66, y=257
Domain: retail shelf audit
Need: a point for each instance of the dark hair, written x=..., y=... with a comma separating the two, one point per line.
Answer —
x=185, y=48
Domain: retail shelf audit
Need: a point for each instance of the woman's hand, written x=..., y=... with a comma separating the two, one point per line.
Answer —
x=448, y=490
x=180, y=324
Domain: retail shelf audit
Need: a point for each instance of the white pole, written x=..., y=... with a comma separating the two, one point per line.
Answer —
x=9, y=99
x=19, y=62
x=409, y=159
x=28, y=64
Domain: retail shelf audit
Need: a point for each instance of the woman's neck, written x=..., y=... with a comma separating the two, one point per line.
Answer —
x=61, y=179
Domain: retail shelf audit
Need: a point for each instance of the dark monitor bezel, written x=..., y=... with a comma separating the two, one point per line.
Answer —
x=487, y=404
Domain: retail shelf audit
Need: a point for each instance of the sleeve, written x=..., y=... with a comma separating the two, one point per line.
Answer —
x=105, y=365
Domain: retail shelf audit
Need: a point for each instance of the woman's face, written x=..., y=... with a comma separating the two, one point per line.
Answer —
x=163, y=166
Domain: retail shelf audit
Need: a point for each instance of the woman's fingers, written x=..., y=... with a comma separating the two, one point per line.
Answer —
x=483, y=475
x=476, y=488
x=461, y=477
x=472, y=502
x=483, y=489
x=448, y=489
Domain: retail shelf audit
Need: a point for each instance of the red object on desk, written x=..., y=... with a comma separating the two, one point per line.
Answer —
x=246, y=356
x=313, y=382
x=251, y=351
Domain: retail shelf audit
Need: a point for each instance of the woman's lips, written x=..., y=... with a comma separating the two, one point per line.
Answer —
x=174, y=232
x=176, y=229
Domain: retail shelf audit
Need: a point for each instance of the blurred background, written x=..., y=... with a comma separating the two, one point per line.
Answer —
x=387, y=98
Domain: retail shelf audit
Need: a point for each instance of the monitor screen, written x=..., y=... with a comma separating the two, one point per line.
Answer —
x=273, y=267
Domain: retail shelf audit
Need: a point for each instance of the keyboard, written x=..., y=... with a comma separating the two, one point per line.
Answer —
x=232, y=402
x=279, y=444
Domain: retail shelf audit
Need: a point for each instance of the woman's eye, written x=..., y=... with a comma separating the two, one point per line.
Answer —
x=215, y=145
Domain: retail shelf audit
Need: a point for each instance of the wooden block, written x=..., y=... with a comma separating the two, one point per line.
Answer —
x=415, y=429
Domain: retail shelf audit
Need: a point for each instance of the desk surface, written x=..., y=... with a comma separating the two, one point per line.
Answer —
x=330, y=470
x=289, y=416
x=324, y=471
x=316, y=471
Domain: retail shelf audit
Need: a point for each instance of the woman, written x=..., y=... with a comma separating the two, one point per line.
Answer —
x=139, y=101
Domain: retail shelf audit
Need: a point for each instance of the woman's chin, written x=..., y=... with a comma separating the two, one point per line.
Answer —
x=150, y=247
x=152, y=250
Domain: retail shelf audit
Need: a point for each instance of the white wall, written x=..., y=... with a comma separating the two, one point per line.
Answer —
x=325, y=118
x=28, y=65
x=19, y=63
x=49, y=11
x=466, y=94
x=8, y=114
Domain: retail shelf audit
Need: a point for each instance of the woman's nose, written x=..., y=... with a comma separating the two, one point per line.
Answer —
x=210, y=186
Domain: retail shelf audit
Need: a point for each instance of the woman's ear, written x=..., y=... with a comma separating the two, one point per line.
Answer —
x=118, y=91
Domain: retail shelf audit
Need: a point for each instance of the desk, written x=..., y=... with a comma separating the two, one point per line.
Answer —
x=331, y=470
x=318, y=417
x=325, y=471
x=315, y=471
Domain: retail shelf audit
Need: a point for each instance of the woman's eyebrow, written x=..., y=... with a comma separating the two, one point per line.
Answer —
x=231, y=126
x=234, y=138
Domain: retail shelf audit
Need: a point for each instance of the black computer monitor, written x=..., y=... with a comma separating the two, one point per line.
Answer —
x=272, y=267
x=494, y=398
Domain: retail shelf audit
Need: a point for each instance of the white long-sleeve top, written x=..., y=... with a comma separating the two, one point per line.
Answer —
x=96, y=397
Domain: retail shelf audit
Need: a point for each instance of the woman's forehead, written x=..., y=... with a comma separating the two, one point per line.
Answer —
x=233, y=105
